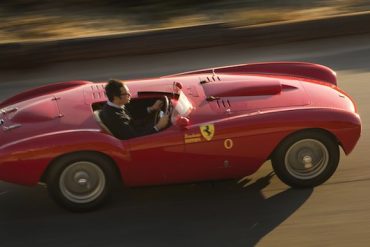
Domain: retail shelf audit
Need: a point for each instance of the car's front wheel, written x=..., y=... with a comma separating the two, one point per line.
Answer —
x=81, y=181
x=306, y=159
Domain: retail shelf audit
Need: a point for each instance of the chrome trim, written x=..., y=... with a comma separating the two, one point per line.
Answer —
x=8, y=110
x=7, y=128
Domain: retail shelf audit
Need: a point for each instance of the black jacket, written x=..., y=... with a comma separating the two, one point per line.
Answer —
x=119, y=122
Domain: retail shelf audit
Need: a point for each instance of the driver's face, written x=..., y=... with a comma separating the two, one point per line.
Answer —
x=125, y=95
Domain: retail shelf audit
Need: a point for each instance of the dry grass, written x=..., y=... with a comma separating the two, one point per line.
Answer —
x=60, y=24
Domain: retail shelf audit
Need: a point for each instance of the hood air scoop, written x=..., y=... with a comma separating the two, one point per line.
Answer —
x=242, y=88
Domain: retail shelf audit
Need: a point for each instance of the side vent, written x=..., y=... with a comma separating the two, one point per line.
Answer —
x=208, y=79
x=223, y=104
x=98, y=92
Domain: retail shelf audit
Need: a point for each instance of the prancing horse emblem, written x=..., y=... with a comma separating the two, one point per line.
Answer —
x=208, y=131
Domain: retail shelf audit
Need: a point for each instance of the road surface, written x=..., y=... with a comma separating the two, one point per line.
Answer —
x=260, y=210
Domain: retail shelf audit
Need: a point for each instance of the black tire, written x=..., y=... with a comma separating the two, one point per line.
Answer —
x=81, y=181
x=306, y=159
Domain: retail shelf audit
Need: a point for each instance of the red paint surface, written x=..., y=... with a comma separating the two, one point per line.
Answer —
x=256, y=106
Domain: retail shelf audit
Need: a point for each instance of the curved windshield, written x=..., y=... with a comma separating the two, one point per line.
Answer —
x=182, y=107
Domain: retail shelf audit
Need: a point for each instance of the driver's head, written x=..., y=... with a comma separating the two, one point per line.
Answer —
x=117, y=92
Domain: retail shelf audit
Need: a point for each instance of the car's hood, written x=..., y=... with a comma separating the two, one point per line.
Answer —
x=254, y=93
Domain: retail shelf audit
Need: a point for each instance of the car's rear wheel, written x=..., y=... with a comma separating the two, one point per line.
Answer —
x=81, y=181
x=306, y=159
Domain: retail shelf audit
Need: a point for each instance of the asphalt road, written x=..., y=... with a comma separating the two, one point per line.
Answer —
x=260, y=211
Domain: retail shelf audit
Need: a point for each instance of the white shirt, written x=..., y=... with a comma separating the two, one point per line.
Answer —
x=115, y=106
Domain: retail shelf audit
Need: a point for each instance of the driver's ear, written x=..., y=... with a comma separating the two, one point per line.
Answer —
x=117, y=97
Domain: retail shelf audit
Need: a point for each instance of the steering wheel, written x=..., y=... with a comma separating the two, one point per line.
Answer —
x=165, y=109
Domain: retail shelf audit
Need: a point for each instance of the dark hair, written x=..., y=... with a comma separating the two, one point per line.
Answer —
x=113, y=88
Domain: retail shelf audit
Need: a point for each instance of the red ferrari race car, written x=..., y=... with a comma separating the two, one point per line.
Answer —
x=225, y=123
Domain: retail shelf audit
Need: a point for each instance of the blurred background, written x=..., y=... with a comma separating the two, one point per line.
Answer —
x=264, y=213
x=27, y=20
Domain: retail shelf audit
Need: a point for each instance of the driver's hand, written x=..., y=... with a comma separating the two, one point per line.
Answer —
x=163, y=122
x=156, y=106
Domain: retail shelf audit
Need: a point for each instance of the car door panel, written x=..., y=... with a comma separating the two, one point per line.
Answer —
x=152, y=154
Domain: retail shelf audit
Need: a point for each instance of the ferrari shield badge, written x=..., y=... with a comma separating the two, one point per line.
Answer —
x=207, y=131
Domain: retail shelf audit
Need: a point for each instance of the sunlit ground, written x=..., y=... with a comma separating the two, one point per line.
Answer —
x=28, y=20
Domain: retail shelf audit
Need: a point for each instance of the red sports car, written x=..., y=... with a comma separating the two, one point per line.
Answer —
x=225, y=123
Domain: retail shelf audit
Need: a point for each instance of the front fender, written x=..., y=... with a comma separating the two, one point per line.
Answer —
x=344, y=125
x=264, y=130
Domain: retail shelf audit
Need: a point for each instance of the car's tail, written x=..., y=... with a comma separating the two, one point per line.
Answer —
x=43, y=90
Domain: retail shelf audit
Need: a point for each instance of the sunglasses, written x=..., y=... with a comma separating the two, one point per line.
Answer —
x=124, y=94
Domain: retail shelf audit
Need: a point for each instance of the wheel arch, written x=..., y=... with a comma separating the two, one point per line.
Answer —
x=118, y=178
x=318, y=130
x=293, y=171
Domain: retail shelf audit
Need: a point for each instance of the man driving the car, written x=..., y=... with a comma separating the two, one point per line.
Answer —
x=118, y=119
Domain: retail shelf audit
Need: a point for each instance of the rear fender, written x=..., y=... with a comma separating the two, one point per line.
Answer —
x=43, y=90
x=25, y=161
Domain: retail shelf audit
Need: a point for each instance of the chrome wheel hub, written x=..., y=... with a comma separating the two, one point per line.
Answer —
x=306, y=159
x=81, y=178
x=82, y=182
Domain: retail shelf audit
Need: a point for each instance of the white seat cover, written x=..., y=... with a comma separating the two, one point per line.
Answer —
x=97, y=117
